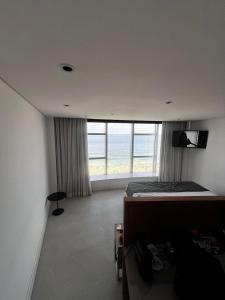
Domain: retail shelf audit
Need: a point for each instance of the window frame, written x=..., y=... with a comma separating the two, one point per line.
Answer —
x=106, y=143
x=133, y=134
x=155, y=148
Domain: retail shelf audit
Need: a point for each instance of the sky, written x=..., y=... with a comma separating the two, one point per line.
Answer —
x=120, y=128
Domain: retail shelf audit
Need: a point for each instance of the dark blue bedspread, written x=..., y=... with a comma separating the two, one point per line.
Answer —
x=163, y=187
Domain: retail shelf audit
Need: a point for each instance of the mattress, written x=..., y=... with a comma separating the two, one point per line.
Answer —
x=147, y=188
x=205, y=193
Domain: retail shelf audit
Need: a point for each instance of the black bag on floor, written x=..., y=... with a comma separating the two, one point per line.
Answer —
x=143, y=258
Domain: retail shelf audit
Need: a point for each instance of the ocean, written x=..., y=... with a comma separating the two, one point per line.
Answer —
x=119, y=145
x=119, y=153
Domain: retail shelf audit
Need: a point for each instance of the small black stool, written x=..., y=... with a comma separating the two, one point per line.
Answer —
x=56, y=197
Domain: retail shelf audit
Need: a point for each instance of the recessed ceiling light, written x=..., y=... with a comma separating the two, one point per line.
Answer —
x=169, y=102
x=67, y=67
x=66, y=105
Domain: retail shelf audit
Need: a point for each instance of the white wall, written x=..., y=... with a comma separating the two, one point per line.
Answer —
x=207, y=166
x=23, y=191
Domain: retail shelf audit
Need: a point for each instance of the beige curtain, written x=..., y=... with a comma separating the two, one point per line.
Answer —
x=171, y=158
x=72, y=156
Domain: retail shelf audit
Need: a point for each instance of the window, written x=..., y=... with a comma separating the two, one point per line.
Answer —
x=121, y=148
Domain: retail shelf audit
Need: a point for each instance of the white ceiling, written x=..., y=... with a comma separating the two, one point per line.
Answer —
x=131, y=56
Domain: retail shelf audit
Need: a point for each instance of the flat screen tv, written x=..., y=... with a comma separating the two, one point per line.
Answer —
x=190, y=139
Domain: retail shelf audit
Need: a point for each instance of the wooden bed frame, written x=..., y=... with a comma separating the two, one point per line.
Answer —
x=158, y=216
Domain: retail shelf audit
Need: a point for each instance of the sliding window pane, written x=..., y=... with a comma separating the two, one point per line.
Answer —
x=158, y=149
x=144, y=128
x=96, y=146
x=96, y=167
x=96, y=127
x=119, y=148
x=142, y=164
x=144, y=145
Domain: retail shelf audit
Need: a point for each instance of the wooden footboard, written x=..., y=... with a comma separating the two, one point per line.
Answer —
x=157, y=217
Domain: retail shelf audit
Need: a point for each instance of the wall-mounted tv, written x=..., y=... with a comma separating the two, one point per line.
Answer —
x=190, y=139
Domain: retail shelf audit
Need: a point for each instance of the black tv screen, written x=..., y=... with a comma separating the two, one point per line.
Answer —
x=190, y=139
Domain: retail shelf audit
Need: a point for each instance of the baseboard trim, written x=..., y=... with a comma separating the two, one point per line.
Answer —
x=37, y=257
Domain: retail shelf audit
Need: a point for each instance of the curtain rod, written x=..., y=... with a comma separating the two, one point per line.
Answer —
x=123, y=121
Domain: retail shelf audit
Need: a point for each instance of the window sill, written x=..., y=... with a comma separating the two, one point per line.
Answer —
x=123, y=176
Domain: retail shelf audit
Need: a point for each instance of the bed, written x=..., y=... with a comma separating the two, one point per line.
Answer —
x=184, y=188
x=156, y=209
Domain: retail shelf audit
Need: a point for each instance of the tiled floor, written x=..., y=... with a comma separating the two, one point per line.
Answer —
x=77, y=259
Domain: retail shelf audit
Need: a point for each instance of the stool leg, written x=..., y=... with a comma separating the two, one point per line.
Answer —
x=58, y=211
